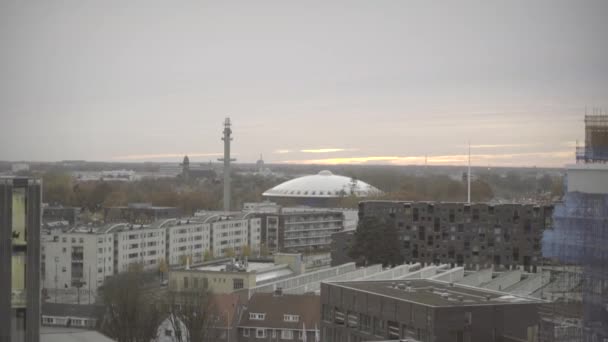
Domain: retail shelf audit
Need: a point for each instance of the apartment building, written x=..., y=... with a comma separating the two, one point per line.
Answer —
x=477, y=235
x=296, y=229
x=186, y=239
x=424, y=310
x=231, y=232
x=143, y=245
x=83, y=257
x=20, y=213
x=80, y=258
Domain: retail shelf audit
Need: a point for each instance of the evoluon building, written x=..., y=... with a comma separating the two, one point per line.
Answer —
x=321, y=190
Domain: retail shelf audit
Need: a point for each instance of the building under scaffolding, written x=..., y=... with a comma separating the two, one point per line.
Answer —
x=576, y=248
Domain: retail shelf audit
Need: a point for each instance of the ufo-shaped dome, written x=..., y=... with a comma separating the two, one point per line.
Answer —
x=322, y=185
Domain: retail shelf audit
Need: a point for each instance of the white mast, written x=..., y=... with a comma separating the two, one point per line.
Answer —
x=469, y=177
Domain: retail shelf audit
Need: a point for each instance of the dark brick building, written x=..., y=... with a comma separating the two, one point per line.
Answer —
x=473, y=235
x=424, y=310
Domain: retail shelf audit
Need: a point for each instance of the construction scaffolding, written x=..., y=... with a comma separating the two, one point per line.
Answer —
x=596, y=140
x=575, y=251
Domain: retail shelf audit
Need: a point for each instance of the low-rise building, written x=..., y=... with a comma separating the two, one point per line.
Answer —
x=230, y=275
x=425, y=310
x=71, y=315
x=280, y=317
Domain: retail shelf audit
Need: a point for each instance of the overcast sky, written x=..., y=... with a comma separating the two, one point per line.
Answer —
x=303, y=81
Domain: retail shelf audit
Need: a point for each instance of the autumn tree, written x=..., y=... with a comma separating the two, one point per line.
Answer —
x=192, y=315
x=131, y=314
x=376, y=242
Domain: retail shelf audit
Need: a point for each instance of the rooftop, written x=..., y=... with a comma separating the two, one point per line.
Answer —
x=436, y=293
x=322, y=185
x=307, y=307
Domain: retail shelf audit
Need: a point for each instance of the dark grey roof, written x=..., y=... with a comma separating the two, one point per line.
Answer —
x=435, y=293
x=307, y=306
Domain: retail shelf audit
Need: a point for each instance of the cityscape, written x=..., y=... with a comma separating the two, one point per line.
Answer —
x=338, y=226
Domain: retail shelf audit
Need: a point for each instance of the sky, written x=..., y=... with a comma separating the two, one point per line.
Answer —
x=327, y=82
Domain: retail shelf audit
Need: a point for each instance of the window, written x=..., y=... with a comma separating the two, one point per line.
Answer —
x=287, y=334
x=185, y=282
x=291, y=318
x=366, y=323
x=168, y=332
x=257, y=316
x=260, y=333
x=246, y=332
x=237, y=284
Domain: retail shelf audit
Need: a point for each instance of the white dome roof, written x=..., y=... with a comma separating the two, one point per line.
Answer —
x=323, y=185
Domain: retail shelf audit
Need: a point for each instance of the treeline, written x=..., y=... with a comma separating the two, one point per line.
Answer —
x=61, y=189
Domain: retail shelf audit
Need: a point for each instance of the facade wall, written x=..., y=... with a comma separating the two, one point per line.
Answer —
x=217, y=282
x=145, y=246
x=351, y=315
x=229, y=234
x=188, y=240
x=68, y=258
x=341, y=243
x=20, y=216
x=474, y=236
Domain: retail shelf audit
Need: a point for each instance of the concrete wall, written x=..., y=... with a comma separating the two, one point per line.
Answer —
x=588, y=178
x=477, y=278
x=393, y=273
x=358, y=274
x=452, y=275
x=303, y=279
x=531, y=284
x=217, y=282
x=503, y=281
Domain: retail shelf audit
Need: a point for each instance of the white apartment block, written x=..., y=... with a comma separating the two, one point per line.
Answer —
x=86, y=256
x=139, y=245
x=186, y=239
x=232, y=233
x=78, y=258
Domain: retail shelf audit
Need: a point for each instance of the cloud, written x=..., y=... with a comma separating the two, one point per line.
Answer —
x=490, y=146
x=328, y=150
x=316, y=150
x=164, y=156
x=506, y=159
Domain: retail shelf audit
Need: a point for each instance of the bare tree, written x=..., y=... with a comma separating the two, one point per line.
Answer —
x=193, y=316
x=131, y=314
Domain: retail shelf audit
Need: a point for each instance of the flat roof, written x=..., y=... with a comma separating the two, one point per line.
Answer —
x=435, y=293
x=251, y=266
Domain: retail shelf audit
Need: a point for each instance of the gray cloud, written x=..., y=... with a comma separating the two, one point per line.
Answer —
x=96, y=80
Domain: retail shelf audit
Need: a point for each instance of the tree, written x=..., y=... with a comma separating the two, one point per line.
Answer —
x=131, y=314
x=229, y=252
x=376, y=242
x=208, y=255
x=192, y=316
x=246, y=251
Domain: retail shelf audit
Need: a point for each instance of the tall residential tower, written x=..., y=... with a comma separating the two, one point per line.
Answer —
x=20, y=214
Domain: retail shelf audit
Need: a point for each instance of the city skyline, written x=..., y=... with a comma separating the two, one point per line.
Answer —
x=368, y=83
